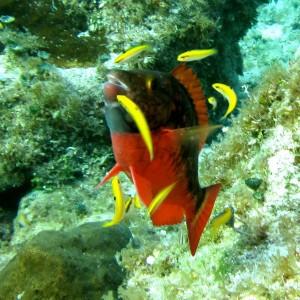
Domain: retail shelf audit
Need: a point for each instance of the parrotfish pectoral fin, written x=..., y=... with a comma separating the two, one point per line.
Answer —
x=197, y=223
x=113, y=172
x=198, y=133
x=142, y=186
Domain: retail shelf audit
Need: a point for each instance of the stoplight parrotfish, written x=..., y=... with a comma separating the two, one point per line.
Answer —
x=175, y=109
x=132, y=52
x=229, y=94
x=196, y=54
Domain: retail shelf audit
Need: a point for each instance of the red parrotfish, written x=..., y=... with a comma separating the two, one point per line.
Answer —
x=175, y=109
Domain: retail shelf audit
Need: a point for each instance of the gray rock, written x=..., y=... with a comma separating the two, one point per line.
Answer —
x=76, y=264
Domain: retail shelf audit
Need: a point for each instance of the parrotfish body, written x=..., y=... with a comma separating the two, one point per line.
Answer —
x=175, y=109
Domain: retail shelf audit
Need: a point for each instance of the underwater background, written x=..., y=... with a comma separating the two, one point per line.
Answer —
x=55, y=148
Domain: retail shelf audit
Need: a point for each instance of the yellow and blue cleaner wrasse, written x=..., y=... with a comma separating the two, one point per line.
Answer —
x=229, y=94
x=140, y=121
x=126, y=55
x=224, y=218
x=196, y=54
x=119, y=202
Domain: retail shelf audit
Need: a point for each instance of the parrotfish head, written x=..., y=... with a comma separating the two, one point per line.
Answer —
x=154, y=93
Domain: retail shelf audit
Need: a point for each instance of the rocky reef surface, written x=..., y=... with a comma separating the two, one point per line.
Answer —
x=75, y=264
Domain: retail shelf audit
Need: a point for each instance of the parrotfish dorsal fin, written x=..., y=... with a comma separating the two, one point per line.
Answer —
x=189, y=80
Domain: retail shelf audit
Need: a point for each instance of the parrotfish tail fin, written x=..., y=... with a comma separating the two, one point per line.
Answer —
x=113, y=172
x=197, y=223
x=142, y=186
x=189, y=80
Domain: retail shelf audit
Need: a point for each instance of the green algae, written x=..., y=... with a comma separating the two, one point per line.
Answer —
x=56, y=129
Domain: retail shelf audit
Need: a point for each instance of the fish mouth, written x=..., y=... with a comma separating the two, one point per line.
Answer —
x=113, y=87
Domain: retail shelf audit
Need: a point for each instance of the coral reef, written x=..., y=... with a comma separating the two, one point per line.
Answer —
x=79, y=32
x=277, y=30
x=66, y=265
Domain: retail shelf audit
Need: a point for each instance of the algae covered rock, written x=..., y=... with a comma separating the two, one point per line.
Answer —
x=59, y=26
x=76, y=264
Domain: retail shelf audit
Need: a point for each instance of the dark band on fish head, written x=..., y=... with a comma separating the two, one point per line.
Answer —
x=162, y=98
x=147, y=89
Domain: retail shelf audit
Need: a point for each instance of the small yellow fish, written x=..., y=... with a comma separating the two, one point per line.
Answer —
x=213, y=102
x=135, y=200
x=159, y=198
x=227, y=93
x=1, y=26
x=120, y=202
x=224, y=218
x=128, y=203
x=140, y=121
x=131, y=53
x=22, y=220
x=196, y=54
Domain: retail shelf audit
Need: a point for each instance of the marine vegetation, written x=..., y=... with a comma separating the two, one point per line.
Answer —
x=56, y=126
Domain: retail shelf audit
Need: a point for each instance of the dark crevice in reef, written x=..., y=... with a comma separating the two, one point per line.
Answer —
x=9, y=199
